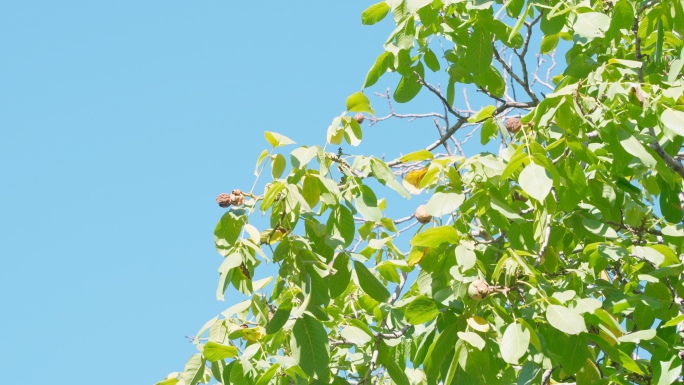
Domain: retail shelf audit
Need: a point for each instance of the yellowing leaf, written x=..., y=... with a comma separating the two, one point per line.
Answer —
x=478, y=323
x=277, y=140
x=416, y=255
x=413, y=178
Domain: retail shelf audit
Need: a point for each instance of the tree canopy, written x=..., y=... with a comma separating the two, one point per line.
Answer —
x=554, y=257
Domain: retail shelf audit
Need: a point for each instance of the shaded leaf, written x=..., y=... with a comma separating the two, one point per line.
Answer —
x=421, y=310
x=370, y=284
x=309, y=346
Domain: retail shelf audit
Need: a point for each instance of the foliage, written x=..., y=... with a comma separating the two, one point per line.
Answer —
x=555, y=259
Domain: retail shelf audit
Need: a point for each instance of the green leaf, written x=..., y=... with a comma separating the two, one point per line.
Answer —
x=673, y=120
x=409, y=86
x=675, y=69
x=311, y=191
x=473, y=339
x=673, y=322
x=591, y=25
x=638, y=336
x=483, y=114
x=309, y=346
x=574, y=353
x=386, y=177
x=599, y=228
x=623, y=18
x=479, y=50
x=580, y=67
x=359, y=102
x=370, y=285
x=491, y=80
x=271, y=195
x=519, y=23
x=431, y=60
x=405, y=34
x=514, y=343
x=565, y=320
x=277, y=140
x=548, y=44
x=553, y=24
x=367, y=204
x=228, y=229
x=214, y=352
x=279, y=319
x=444, y=203
x=387, y=359
x=355, y=335
x=374, y=13
x=439, y=350
x=417, y=156
x=278, y=166
x=536, y=181
x=381, y=65
x=339, y=281
x=489, y=131
x=635, y=148
x=265, y=378
x=421, y=310
x=436, y=236
x=465, y=257
x=667, y=371
x=194, y=369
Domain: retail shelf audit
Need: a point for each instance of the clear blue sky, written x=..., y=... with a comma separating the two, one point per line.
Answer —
x=121, y=122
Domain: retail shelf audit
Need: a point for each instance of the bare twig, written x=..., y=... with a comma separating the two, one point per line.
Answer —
x=441, y=132
x=439, y=95
x=394, y=114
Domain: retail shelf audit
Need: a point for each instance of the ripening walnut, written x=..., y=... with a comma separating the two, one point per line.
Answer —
x=513, y=125
x=478, y=290
x=236, y=198
x=359, y=117
x=422, y=216
x=224, y=200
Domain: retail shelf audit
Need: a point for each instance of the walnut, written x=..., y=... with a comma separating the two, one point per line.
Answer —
x=224, y=200
x=359, y=117
x=237, y=197
x=513, y=125
x=478, y=290
x=422, y=216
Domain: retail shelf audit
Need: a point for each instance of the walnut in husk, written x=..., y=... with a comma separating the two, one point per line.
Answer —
x=422, y=216
x=238, y=197
x=513, y=125
x=478, y=290
x=234, y=198
x=359, y=117
x=224, y=200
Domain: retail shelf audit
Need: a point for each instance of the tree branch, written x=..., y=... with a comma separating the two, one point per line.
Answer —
x=439, y=95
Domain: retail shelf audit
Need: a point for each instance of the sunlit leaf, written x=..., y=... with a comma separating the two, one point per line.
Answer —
x=277, y=140
x=514, y=343
x=565, y=320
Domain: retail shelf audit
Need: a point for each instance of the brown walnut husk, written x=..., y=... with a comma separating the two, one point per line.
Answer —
x=224, y=200
x=513, y=125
